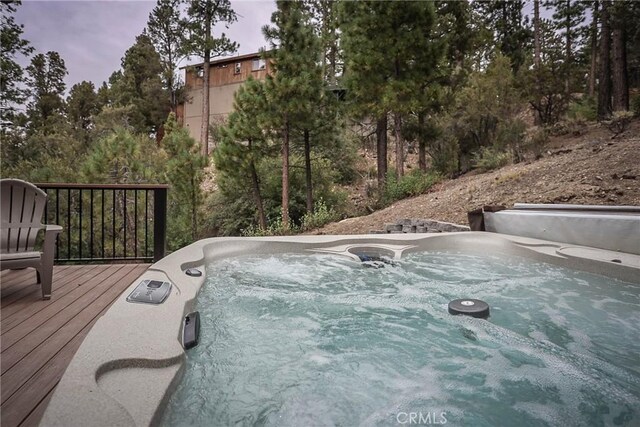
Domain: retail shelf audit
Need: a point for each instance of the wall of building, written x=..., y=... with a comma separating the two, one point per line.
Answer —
x=224, y=81
x=225, y=73
x=220, y=106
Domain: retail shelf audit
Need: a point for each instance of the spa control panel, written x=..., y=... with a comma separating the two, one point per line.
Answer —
x=150, y=292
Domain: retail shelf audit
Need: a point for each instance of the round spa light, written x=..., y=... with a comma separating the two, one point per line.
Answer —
x=469, y=307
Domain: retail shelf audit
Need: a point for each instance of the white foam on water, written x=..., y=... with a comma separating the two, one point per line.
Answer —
x=309, y=339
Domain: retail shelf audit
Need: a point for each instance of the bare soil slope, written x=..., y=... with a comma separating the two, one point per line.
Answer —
x=589, y=169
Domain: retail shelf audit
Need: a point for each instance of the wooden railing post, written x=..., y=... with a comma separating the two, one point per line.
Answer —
x=159, y=223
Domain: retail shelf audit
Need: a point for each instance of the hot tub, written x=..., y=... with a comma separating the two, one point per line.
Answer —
x=130, y=370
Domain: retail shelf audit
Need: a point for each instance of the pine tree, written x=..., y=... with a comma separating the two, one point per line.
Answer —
x=45, y=81
x=486, y=111
x=122, y=157
x=604, y=75
x=185, y=173
x=166, y=29
x=505, y=21
x=295, y=83
x=243, y=143
x=536, y=34
x=454, y=38
x=140, y=85
x=568, y=15
x=324, y=18
x=202, y=17
x=82, y=106
x=633, y=43
x=365, y=73
x=103, y=96
x=455, y=26
x=12, y=91
x=317, y=123
x=593, y=53
x=11, y=74
x=389, y=55
x=619, y=73
x=321, y=132
x=544, y=85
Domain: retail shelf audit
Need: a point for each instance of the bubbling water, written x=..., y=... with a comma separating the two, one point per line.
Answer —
x=299, y=339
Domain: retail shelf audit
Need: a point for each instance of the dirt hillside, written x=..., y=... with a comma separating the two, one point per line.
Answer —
x=588, y=169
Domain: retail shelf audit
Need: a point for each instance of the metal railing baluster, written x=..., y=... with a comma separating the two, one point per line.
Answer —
x=70, y=216
x=91, y=224
x=102, y=222
x=135, y=223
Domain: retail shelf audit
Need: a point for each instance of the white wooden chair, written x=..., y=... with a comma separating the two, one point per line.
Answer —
x=21, y=209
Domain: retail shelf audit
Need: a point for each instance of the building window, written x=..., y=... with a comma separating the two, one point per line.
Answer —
x=258, y=64
x=238, y=67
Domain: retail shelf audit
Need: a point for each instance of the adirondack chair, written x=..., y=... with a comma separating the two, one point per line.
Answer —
x=21, y=209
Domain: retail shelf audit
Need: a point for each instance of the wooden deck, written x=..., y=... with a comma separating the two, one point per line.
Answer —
x=38, y=338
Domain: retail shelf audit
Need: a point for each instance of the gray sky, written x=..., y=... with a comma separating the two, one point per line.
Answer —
x=92, y=36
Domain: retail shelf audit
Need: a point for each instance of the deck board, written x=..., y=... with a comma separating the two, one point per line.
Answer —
x=32, y=292
x=36, y=415
x=32, y=315
x=15, y=312
x=39, y=338
x=16, y=282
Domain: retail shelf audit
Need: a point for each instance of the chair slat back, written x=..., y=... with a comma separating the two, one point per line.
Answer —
x=21, y=209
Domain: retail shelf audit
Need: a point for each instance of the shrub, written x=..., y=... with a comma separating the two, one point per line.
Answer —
x=321, y=215
x=575, y=127
x=233, y=210
x=536, y=140
x=619, y=122
x=489, y=158
x=226, y=216
x=510, y=136
x=584, y=109
x=510, y=133
x=275, y=228
x=485, y=114
x=635, y=105
x=410, y=185
x=444, y=155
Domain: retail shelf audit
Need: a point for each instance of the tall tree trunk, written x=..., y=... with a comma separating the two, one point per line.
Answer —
x=537, y=60
x=381, y=150
x=397, y=124
x=536, y=35
x=604, y=84
x=285, y=176
x=567, y=74
x=194, y=209
x=332, y=59
x=257, y=195
x=170, y=84
x=594, y=50
x=422, y=149
x=204, y=128
x=307, y=171
x=619, y=74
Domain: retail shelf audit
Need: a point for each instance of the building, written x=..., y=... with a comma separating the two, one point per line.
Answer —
x=225, y=77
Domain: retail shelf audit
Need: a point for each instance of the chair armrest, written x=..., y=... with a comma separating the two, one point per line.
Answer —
x=50, y=234
x=52, y=229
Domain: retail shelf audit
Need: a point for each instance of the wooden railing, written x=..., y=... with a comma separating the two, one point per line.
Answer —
x=108, y=222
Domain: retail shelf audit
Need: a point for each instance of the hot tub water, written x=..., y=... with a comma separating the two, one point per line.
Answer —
x=300, y=339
